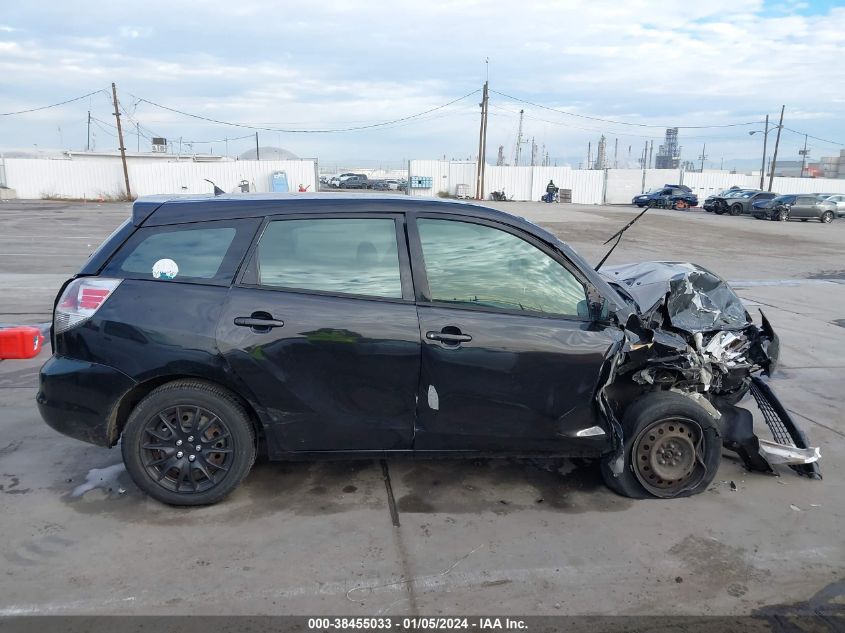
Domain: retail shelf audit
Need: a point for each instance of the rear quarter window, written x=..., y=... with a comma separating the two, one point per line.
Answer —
x=200, y=252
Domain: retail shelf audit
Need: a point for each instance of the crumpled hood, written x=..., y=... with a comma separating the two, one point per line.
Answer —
x=696, y=300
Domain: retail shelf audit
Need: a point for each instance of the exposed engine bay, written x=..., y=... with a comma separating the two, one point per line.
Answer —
x=691, y=334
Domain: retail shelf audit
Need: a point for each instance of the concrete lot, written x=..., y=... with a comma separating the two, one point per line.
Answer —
x=475, y=537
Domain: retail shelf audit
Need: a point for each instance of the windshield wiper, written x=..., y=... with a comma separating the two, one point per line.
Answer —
x=618, y=236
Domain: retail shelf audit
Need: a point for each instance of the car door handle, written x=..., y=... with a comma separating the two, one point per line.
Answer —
x=258, y=322
x=448, y=339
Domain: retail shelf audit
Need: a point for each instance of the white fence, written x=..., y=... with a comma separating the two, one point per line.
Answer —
x=92, y=179
x=591, y=186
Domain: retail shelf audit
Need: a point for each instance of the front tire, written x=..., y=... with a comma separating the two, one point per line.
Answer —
x=671, y=448
x=782, y=215
x=736, y=209
x=188, y=443
x=827, y=217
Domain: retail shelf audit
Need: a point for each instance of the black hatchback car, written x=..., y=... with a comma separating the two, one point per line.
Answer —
x=205, y=330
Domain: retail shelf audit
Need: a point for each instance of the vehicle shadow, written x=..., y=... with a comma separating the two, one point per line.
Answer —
x=319, y=488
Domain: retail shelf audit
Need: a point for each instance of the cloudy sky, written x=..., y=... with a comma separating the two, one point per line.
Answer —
x=327, y=65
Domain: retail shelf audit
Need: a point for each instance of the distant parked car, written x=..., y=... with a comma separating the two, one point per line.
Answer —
x=721, y=204
x=838, y=199
x=336, y=180
x=358, y=181
x=667, y=197
x=379, y=185
x=741, y=201
x=709, y=201
x=798, y=207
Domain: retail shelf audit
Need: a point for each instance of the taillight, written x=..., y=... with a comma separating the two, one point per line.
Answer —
x=81, y=300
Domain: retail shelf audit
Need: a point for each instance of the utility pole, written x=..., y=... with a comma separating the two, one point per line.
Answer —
x=650, y=152
x=763, y=165
x=257, y=154
x=777, y=143
x=138, y=136
x=702, y=157
x=643, y=165
x=227, y=147
x=88, y=145
x=482, y=146
x=804, y=153
x=589, y=155
x=120, y=139
x=518, y=140
x=616, y=153
x=533, y=152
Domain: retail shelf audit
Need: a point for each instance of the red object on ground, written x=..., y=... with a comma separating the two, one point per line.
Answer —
x=20, y=342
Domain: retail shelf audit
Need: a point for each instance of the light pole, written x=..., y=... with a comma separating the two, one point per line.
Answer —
x=765, y=132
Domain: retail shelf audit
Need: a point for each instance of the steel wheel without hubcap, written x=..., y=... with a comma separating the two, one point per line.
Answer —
x=186, y=449
x=668, y=456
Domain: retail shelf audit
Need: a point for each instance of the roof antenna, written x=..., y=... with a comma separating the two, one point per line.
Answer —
x=217, y=190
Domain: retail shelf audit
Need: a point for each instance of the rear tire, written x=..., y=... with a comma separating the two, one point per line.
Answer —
x=188, y=443
x=671, y=449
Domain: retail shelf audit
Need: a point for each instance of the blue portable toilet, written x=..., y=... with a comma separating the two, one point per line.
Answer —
x=279, y=182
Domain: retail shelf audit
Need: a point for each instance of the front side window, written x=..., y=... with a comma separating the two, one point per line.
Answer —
x=355, y=256
x=478, y=265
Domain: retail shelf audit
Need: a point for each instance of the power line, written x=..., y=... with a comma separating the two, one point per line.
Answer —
x=595, y=118
x=293, y=131
x=815, y=138
x=52, y=105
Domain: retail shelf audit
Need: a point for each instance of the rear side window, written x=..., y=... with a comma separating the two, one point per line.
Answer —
x=202, y=252
x=357, y=256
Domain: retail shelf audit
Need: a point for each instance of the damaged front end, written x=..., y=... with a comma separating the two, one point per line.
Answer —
x=691, y=334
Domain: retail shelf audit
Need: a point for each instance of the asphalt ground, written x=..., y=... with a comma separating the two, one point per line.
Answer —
x=473, y=537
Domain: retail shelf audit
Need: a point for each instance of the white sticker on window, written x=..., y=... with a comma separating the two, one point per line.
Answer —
x=165, y=269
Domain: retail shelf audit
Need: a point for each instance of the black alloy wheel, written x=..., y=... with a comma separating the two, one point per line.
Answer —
x=188, y=442
x=187, y=448
x=736, y=209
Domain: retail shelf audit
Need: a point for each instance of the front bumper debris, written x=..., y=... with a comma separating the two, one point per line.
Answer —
x=790, y=445
x=692, y=334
